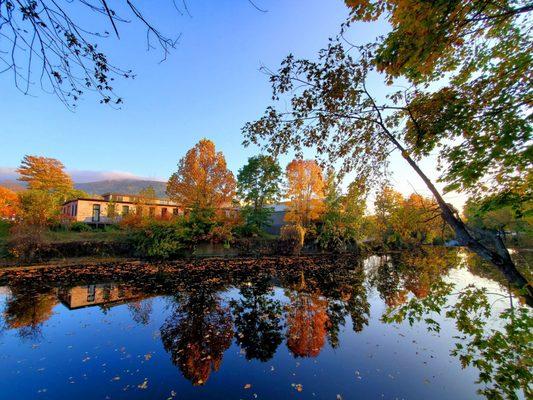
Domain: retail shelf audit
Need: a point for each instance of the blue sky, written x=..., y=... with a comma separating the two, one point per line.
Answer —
x=208, y=87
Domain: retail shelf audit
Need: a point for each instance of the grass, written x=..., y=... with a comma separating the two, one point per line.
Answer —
x=95, y=235
x=4, y=236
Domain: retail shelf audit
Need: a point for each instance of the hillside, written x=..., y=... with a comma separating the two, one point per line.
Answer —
x=126, y=186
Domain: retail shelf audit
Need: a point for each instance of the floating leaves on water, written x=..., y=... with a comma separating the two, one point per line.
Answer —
x=247, y=386
x=143, y=385
x=298, y=386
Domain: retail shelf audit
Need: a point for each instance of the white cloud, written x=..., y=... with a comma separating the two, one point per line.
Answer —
x=83, y=176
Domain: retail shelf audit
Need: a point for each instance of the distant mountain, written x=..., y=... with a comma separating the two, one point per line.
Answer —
x=13, y=185
x=124, y=186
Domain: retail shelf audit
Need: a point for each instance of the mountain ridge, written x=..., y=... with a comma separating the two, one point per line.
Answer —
x=125, y=186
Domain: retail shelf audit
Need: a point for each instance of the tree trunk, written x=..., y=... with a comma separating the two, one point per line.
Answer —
x=499, y=257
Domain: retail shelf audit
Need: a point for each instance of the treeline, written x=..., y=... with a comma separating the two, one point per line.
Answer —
x=220, y=208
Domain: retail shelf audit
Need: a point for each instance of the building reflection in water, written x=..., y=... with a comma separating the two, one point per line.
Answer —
x=101, y=294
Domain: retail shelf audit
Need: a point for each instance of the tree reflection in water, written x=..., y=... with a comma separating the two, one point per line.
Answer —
x=307, y=323
x=140, y=311
x=197, y=333
x=496, y=340
x=27, y=310
x=321, y=295
x=257, y=320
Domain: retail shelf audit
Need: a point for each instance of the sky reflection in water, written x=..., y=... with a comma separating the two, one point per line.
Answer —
x=307, y=329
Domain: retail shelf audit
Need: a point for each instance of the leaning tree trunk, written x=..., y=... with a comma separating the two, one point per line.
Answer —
x=499, y=256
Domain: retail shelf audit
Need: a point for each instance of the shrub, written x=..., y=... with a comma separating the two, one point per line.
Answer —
x=291, y=239
x=162, y=240
x=131, y=220
x=333, y=237
x=26, y=241
x=80, y=227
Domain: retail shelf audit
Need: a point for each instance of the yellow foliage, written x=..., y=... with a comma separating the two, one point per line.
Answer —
x=42, y=173
x=305, y=191
x=202, y=179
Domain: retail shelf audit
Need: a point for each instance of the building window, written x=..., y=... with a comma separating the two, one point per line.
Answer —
x=118, y=198
x=176, y=211
x=125, y=210
x=75, y=209
x=152, y=211
x=91, y=291
x=96, y=212
x=139, y=210
x=164, y=212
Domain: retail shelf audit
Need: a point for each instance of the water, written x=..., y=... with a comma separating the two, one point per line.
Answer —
x=307, y=329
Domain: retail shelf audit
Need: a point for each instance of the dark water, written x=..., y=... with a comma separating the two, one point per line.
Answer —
x=308, y=329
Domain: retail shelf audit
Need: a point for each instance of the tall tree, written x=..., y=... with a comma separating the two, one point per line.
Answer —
x=305, y=189
x=43, y=173
x=479, y=113
x=203, y=180
x=333, y=111
x=258, y=184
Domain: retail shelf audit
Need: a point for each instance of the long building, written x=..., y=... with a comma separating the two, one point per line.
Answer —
x=111, y=207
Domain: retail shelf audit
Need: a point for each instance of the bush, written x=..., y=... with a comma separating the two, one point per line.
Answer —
x=26, y=242
x=291, y=239
x=333, y=237
x=162, y=240
x=80, y=227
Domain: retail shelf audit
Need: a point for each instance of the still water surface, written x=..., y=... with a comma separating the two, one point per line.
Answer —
x=304, y=331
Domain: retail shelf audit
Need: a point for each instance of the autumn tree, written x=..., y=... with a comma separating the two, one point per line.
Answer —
x=484, y=49
x=43, y=173
x=9, y=203
x=333, y=111
x=305, y=190
x=203, y=180
x=258, y=185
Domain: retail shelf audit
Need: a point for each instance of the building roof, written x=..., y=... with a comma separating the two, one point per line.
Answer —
x=101, y=200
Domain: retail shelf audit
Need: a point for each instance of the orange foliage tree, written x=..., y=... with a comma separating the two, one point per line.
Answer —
x=203, y=179
x=308, y=324
x=9, y=203
x=42, y=173
x=305, y=189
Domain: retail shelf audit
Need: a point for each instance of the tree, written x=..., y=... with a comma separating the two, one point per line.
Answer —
x=9, y=203
x=43, y=173
x=333, y=111
x=202, y=180
x=56, y=45
x=258, y=184
x=342, y=217
x=500, y=219
x=354, y=203
x=38, y=208
x=305, y=189
x=479, y=113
